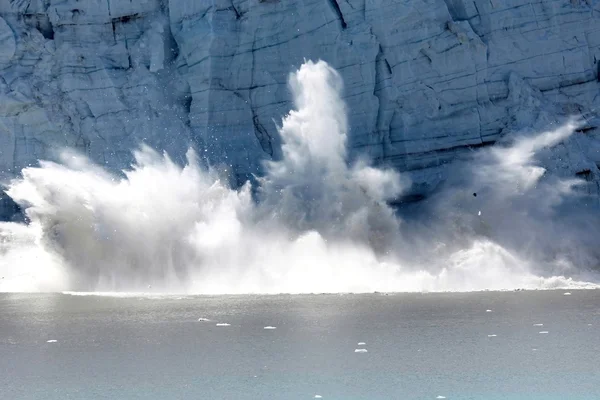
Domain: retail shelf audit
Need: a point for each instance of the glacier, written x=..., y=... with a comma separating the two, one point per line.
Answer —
x=425, y=81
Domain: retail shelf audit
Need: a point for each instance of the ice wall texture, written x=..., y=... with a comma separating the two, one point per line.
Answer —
x=425, y=80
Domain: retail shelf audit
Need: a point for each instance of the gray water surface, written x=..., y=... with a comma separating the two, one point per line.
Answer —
x=420, y=346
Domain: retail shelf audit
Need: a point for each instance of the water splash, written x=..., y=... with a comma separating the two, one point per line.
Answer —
x=318, y=224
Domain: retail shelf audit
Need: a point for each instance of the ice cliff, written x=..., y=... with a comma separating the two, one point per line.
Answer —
x=425, y=80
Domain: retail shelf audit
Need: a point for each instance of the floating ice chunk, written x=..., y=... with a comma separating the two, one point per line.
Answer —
x=488, y=310
x=270, y=327
x=538, y=324
x=543, y=332
x=361, y=343
x=223, y=324
x=203, y=319
x=479, y=213
x=51, y=341
x=566, y=294
x=492, y=335
x=318, y=396
x=360, y=350
x=441, y=397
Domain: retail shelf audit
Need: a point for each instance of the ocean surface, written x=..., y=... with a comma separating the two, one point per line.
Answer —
x=483, y=345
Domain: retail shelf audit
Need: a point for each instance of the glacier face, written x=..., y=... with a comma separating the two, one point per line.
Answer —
x=425, y=80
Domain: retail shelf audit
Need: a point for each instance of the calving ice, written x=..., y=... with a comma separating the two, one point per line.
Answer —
x=315, y=222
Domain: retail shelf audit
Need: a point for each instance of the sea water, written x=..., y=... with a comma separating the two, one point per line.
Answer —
x=480, y=345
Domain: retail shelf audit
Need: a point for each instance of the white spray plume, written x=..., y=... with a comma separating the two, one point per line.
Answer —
x=318, y=225
x=502, y=195
x=312, y=187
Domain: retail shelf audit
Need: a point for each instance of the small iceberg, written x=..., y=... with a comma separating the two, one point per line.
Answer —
x=543, y=332
x=488, y=310
x=51, y=341
x=203, y=319
x=360, y=350
x=441, y=397
x=538, y=324
x=492, y=335
x=566, y=294
x=270, y=327
x=223, y=324
x=318, y=396
x=361, y=343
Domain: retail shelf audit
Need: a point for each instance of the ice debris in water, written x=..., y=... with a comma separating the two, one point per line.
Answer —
x=566, y=294
x=360, y=350
x=543, y=332
x=51, y=341
x=203, y=319
x=318, y=396
x=270, y=327
x=223, y=324
x=441, y=397
x=488, y=310
x=538, y=324
x=492, y=335
x=361, y=343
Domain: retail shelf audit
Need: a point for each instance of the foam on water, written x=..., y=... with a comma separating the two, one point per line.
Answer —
x=139, y=295
x=315, y=223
